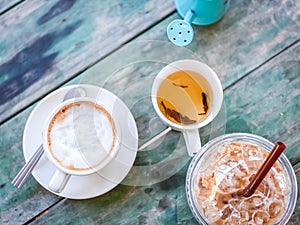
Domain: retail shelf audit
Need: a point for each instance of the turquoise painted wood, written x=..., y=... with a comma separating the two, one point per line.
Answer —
x=236, y=121
x=254, y=49
x=250, y=30
x=5, y=5
x=269, y=103
x=17, y=207
x=247, y=36
x=257, y=110
x=45, y=43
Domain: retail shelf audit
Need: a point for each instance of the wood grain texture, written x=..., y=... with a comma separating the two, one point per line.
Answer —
x=252, y=105
x=249, y=35
x=7, y=4
x=18, y=206
x=44, y=43
x=270, y=102
x=254, y=36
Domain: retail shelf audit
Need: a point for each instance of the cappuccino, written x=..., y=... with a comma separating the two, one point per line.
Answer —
x=81, y=136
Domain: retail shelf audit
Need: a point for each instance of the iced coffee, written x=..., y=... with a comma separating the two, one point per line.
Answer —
x=229, y=168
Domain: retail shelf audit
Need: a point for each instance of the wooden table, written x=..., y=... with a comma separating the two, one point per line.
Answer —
x=121, y=46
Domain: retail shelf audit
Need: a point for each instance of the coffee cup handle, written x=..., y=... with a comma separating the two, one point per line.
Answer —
x=192, y=141
x=58, y=181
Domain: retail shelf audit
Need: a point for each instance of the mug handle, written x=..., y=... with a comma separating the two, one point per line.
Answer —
x=192, y=141
x=58, y=181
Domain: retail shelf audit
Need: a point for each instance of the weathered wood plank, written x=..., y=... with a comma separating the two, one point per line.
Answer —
x=257, y=110
x=148, y=205
x=272, y=107
x=249, y=34
x=253, y=35
x=44, y=43
x=7, y=4
x=228, y=47
x=232, y=67
x=18, y=206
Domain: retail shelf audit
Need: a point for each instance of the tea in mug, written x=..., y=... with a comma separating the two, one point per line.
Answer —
x=184, y=97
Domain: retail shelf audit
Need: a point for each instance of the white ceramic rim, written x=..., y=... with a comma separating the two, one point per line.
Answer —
x=245, y=137
x=96, y=184
x=206, y=72
x=106, y=160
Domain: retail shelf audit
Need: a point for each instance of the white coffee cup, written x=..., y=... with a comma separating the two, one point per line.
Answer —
x=80, y=138
x=215, y=95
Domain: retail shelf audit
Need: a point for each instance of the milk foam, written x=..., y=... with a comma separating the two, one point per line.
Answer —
x=81, y=136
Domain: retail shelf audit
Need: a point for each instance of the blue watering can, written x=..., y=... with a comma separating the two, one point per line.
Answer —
x=198, y=12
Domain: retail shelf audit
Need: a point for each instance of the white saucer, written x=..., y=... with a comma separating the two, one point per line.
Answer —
x=83, y=187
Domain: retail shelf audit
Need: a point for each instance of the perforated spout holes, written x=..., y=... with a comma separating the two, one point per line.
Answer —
x=180, y=32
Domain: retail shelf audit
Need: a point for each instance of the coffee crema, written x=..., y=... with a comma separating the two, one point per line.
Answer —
x=81, y=136
x=231, y=170
x=184, y=97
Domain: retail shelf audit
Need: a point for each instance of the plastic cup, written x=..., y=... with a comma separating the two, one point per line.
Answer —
x=209, y=157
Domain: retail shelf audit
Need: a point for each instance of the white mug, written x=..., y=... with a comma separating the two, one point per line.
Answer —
x=200, y=73
x=80, y=138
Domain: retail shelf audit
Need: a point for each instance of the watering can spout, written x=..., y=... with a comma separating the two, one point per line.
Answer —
x=189, y=16
x=198, y=12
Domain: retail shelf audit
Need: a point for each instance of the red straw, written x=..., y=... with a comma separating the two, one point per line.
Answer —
x=264, y=169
